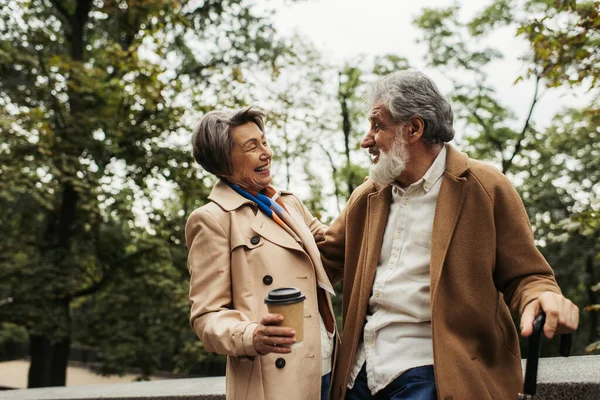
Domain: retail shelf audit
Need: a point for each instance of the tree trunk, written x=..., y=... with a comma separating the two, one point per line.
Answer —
x=347, y=130
x=39, y=347
x=49, y=358
x=48, y=365
x=60, y=359
x=592, y=299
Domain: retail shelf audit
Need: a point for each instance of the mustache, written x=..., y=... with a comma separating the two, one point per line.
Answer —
x=374, y=150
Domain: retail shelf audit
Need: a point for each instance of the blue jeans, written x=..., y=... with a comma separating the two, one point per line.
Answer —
x=325, y=382
x=414, y=384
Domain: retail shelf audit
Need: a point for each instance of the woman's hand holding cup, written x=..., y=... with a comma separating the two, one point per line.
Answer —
x=270, y=338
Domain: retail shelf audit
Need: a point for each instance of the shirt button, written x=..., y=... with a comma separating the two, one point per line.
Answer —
x=370, y=343
x=280, y=362
x=406, y=202
x=255, y=239
x=267, y=279
x=397, y=235
x=377, y=293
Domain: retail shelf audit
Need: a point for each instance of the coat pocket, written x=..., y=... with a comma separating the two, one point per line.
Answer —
x=487, y=382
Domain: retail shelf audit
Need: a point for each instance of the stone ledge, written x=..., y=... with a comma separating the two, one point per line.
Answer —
x=193, y=388
x=558, y=379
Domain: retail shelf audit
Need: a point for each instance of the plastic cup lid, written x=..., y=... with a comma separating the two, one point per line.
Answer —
x=284, y=295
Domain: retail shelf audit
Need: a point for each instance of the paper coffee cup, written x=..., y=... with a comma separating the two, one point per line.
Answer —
x=289, y=302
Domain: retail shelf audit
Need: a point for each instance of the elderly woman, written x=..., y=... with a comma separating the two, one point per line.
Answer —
x=249, y=239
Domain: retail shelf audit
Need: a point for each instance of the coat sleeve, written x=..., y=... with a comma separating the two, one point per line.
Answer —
x=521, y=273
x=333, y=248
x=311, y=221
x=221, y=329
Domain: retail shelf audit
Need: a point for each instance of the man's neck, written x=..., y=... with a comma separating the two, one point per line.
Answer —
x=419, y=162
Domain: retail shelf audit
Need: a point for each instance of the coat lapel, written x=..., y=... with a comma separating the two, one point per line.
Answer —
x=449, y=205
x=270, y=230
x=378, y=210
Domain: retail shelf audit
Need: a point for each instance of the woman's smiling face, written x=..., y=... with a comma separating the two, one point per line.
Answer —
x=251, y=158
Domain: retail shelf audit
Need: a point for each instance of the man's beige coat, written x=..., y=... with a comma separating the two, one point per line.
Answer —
x=482, y=255
x=236, y=255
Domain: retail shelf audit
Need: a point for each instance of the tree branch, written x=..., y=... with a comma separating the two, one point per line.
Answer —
x=94, y=287
x=200, y=67
x=487, y=131
x=334, y=173
x=508, y=163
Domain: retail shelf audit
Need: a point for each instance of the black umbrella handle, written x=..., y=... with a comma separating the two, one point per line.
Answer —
x=535, y=341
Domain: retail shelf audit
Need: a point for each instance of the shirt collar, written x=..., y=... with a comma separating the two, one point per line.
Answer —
x=433, y=174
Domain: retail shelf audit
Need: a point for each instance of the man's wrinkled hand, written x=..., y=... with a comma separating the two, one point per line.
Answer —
x=319, y=233
x=562, y=316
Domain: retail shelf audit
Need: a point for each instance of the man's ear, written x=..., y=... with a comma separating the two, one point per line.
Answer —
x=415, y=127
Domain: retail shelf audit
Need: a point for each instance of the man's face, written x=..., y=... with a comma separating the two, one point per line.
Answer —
x=382, y=132
x=387, y=146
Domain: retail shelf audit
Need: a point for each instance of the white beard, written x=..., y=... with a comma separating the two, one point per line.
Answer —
x=390, y=165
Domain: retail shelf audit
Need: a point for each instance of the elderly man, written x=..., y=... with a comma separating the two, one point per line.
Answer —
x=433, y=249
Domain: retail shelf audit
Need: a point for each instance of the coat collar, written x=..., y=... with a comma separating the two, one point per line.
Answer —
x=227, y=198
x=457, y=163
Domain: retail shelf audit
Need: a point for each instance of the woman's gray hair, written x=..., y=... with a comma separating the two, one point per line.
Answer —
x=212, y=142
x=408, y=94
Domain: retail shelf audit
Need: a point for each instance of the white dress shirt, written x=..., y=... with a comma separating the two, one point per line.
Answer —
x=397, y=334
x=326, y=348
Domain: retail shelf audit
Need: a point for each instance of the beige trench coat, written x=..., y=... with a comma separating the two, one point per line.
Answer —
x=236, y=255
x=482, y=255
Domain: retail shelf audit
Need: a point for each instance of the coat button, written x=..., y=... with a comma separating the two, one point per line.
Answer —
x=268, y=279
x=255, y=239
x=280, y=362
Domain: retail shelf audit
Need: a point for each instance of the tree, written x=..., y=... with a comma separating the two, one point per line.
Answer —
x=565, y=40
x=566, y=43
x=91, y=93
x=352, y=83
x=555, y=168
x=349, y=80
x=292, y=104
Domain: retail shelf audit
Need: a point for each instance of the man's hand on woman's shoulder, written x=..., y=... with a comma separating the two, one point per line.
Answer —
x=319, y=233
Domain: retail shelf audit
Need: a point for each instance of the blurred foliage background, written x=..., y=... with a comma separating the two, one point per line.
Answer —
x=97, y=102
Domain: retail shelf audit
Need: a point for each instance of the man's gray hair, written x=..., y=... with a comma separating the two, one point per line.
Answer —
x=212, y=142
x=408, y=94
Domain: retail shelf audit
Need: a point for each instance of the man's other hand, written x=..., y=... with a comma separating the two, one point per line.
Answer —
x=319, y=233
x=562, y=316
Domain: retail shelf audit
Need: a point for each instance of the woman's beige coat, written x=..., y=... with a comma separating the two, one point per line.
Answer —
x=236, y=255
